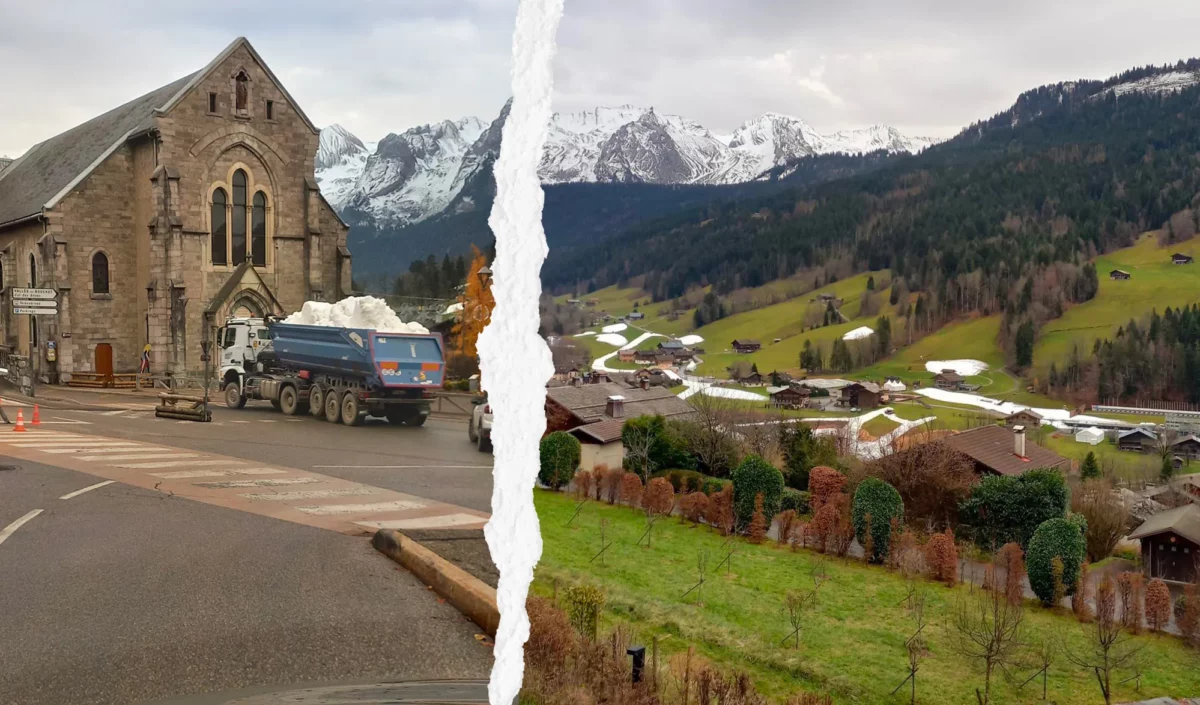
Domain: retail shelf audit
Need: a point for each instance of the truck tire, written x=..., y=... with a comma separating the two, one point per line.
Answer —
x=394, y=417
x=333, y=406
x=277, y=405
x=289, y=401
x=471, y=435
x=484, y=444
x=352, y=414
x=233, y=396
x=316, y=401
x=416, y=419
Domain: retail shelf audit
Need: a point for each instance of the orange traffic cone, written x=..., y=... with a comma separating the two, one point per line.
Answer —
x=37, y=421
x=20, y=422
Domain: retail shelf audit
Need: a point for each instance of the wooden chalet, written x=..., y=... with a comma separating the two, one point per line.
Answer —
x=1139, y=440
x=1004, y=451
x=1180, y=258
x=861, y=395
x=746, y=346
x=788, y=397
x=1028, y=418
x=1171, y=544
x=1119, y=274
x=948, y=379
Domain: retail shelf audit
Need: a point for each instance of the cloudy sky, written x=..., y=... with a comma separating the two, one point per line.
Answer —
x=373, y=66
x=928, y=67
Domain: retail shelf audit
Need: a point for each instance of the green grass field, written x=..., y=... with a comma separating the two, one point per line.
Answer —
x=974, y=339
x=880, y=426
x=852, y=645
x=1120, y=464
x=1155, y=285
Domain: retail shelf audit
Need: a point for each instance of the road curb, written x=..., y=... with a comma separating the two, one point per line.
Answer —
x=470, y=595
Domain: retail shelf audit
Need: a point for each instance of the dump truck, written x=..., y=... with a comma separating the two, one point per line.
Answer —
x=342, y=375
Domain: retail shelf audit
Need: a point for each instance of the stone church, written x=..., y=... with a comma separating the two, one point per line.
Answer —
x=159, y=219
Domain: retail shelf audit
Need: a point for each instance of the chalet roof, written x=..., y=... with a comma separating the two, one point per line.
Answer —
x=588, y=401
x=1024, y=412
x=1184, y=521
x=775, y=390
x=746, y=341
x=1190, y=437
x=949, y=376
x=992, y=446
x=1119, y=271
x=868, y=386
x=1180, y=255
x=1122, y=435
x=606, y=431
x=671, y=345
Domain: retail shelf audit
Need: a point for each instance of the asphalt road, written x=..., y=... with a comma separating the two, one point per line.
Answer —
x=125, y=595
x=436, y=461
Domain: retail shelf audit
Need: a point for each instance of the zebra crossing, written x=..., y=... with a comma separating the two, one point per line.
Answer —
x=285, y=493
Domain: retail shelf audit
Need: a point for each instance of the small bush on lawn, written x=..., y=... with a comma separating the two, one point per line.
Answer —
x=559, y=453
x=941, y=555
x=720, y=510
x=787, y=521
x=631, y=489
x=583, y=484
x=694, y=505
x=832, y=529
x=795, y=500
x=683, y=480
x=1054, y=538
x=584, y=603
x=1158, y=605
x=823, y=483
x=879, y=501
x=610, y=482
x=659, y=497
x=713, y=485
x=758, y=522
x=752, y=477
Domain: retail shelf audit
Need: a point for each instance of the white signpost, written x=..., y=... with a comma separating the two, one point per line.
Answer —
x=34, y=302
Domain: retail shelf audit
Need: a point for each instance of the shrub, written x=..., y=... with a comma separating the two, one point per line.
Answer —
x=823, y=483
x=1079, y=602
x=754, y=476
x=1054, y=538
x=559, y=455
x=659, y=497
x=758, y=522
x=598, y=473
x=694, y=505
x=786, y=519
x=941, y=555
x=1187, y=614
x=631, y=489
x=683, y=480
x=712, y=485
x=583, y=484
x=1090, y=469
x=1057, y=590
x=795, y=500
x=802, y=450
x=831, y=528
x=1011, y=559
x=1004, y=508
x=611, y=479
x=551, y=640
x=1104, y=514
x=931, y=478
x=1158, y=605
x=661, y=446
x=584, y=603
x=720, y=510
x=1131, y=587
x=876, y=503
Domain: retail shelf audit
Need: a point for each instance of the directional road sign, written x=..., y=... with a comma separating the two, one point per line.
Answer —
x=28, y=293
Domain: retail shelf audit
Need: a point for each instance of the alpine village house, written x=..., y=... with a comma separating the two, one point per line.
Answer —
x=157, y=220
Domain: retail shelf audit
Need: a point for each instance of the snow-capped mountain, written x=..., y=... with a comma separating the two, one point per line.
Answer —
x=631, y=144
x=408, y=177
x=1166, y=82
x=403, y=179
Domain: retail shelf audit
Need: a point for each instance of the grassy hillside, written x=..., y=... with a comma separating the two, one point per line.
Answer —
x=1155, y=285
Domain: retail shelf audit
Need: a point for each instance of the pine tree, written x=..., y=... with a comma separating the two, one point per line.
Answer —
x=1167, y=470
x=870, y=283
x=1090, y=469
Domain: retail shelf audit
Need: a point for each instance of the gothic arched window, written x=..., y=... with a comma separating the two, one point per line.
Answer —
x=258, y=231
x=99, y=273
x=219, y=228
x=238, y=220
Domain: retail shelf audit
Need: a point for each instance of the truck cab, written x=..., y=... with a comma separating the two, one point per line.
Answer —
x=240, y=340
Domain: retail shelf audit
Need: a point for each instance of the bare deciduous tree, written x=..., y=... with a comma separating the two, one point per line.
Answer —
x=987, y=627
x=1106, y=517
x=709, y=433
x=1109, y=648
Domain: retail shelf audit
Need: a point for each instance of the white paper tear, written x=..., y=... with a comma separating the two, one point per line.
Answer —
x=515, y=362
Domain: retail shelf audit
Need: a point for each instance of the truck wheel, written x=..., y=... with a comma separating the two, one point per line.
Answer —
x=277, y=404
x=484, y=444
x=415, y=419
x=351, y=410
x=316, y=402
x=289, y=401
x=333, y=407
x=471, y=435
x=233, y=396
x=394, y=417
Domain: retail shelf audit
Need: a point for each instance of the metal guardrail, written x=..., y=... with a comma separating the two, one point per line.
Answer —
x=452, y=403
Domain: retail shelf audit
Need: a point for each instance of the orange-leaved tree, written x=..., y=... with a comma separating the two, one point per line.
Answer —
x=477, y=304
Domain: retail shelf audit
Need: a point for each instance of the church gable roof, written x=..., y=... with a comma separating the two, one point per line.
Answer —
x=43, y=174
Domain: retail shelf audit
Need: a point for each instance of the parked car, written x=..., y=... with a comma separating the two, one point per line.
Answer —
x=479, y=430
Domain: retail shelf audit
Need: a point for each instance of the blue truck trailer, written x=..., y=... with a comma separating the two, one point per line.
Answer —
x=342, y=375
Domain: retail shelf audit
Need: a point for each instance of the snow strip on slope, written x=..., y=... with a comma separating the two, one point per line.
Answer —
x=858, y=333
x=691, y=339
x=585, y=333
x=354, y=312
x=614, y=328
x=612, y=339
x=966, y=368
x=598, y=364
x=1054, y=417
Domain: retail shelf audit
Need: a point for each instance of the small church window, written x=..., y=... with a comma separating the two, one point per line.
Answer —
x=258, y=231
x=212, y=102
x=238, y=224
x=99, y=273
x=242, y=91
x=270, y=110
x=218, y=227
x=32, y=271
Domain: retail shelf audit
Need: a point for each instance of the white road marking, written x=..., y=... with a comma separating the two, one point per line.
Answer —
x=61, y=420
x=115, y=448
x=309, y=494
x=397, y=505
x=174, y=463
x=185, y=474
x=277, y=482
x=266, y=420
x=11, y=528
x=141, y=456
x=239, y=422
x=400, y=467
x=64, y=442
x=76, y=493
x=434, y=522
x=118, y=412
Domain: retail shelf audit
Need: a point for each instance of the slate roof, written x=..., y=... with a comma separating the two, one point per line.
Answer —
x=37, y=176
x=992, y=446
x=949, y=376
x=606, y=431
x=1024, y=412
x=1137, y=432
x=1184, y=521
x=587, y=401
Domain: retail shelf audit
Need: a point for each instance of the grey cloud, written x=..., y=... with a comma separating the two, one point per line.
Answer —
x=927, y=67
x=372, y=65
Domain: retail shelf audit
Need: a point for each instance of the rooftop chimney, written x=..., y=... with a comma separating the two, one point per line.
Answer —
x=615, y=408
x=1019, y=441
x=645, y=383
